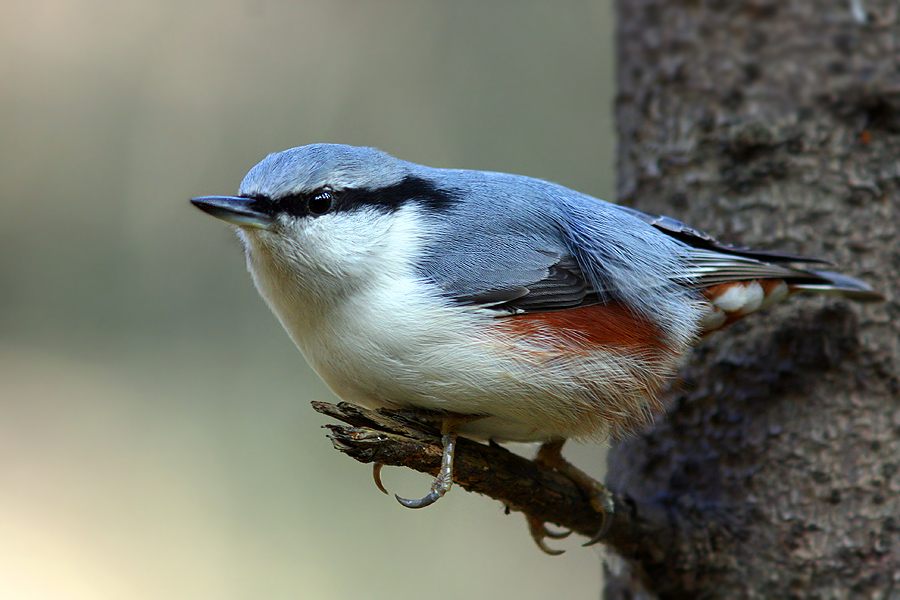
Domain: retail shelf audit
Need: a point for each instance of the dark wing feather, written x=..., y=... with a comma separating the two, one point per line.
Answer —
x=563, y=287
x=537, y=281
x=711, y=267
x=714, y=262
x=703, y=241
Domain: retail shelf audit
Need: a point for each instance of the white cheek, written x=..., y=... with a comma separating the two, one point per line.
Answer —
x=359, y=245
x=307, y=267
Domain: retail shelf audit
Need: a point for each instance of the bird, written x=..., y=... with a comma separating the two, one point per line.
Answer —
x=515, y=309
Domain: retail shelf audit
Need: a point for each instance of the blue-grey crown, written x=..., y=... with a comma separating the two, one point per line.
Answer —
x=294, y=181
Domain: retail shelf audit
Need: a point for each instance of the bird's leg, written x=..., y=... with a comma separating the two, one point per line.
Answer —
x=550, y=455
x=444, y=479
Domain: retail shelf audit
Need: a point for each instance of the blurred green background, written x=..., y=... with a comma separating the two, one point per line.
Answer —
x=156, y=439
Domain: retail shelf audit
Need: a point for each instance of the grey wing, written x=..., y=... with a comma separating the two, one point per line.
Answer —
x=563, y=286
x=514, y=281
x=704, y=241
x=711, y=267
x=714, y=262
x=512, y=273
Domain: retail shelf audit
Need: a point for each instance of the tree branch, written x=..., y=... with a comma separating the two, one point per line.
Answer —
x=401, y=438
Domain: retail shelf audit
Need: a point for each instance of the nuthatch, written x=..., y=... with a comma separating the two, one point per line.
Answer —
x=517, y=309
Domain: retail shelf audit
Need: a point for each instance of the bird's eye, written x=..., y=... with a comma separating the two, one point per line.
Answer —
x=321, y=203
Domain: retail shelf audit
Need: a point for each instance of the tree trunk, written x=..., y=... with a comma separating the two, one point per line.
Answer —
x=773, y=124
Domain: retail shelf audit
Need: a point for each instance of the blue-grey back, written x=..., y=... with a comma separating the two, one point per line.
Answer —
x=506, y=233
x=522, y=244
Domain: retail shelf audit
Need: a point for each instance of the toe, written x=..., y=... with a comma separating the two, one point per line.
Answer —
x=539, y=533
x=429, y=499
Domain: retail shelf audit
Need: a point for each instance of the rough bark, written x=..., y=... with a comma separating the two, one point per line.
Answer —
x=774, y=124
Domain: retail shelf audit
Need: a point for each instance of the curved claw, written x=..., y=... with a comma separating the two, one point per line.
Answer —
x=444, y=479
x=546, y=549
x=539, y=533
x=432, y=497
x=598, y=537
x=376, y=474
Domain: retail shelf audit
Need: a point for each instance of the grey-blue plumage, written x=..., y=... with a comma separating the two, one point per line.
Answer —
x=524, y=244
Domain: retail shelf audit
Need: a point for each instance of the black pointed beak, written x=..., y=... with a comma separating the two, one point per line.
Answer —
x=243, y=212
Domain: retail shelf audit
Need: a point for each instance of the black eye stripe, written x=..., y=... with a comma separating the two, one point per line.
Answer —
x=296, y=204
x=314, y=204
x=390, y=198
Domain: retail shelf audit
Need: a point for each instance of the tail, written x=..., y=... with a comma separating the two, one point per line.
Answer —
x=835, y=284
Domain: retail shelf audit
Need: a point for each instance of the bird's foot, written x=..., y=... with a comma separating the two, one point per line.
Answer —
x=444, y=480
x=550, y=455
